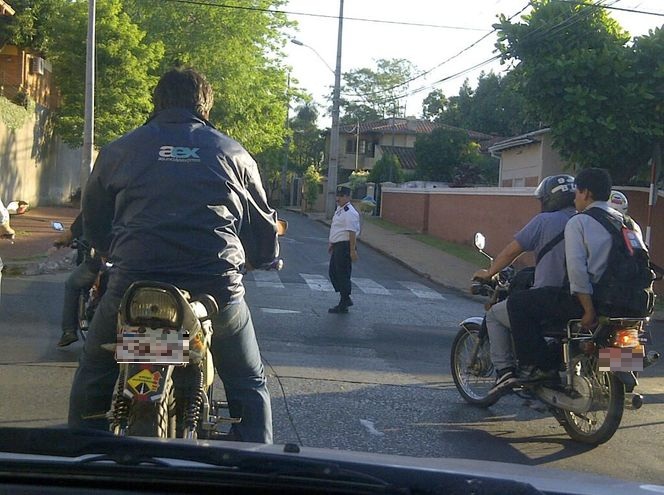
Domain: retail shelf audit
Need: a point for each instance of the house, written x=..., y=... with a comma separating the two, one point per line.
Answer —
x=525, y=160
x=362, y=144
x=24, y=73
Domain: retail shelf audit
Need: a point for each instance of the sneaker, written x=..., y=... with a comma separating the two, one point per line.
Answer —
x=535, y=374
x=506, y=381
x=68, y=337
x=338, y=309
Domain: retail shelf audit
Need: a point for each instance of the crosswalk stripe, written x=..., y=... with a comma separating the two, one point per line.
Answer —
x=368, y=286
x=422, y=291
x=268, y=279
x=317, y=282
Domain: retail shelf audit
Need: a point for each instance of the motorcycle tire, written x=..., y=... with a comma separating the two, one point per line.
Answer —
x=153, y=419
x=473, y=382
x=600, y=423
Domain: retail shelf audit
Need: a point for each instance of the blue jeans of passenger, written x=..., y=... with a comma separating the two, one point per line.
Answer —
x=82, y=277
x=234, y=349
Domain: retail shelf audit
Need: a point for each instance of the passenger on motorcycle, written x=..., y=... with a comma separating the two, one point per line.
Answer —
x=587, y=248
x=177, y=201
x=542, y=236
x=88, y=265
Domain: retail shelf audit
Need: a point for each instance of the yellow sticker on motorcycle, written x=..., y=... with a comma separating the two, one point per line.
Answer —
x=145, y=381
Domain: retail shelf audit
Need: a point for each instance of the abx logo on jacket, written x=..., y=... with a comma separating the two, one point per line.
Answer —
x=178, y=154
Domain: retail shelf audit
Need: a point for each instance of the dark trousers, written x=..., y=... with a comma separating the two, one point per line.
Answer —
x=81, y=278
x=341, y=267
x=528, y=310
x=234, y=348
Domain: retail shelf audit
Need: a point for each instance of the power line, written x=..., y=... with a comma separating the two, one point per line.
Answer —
x=323, y=16
x=610, y=7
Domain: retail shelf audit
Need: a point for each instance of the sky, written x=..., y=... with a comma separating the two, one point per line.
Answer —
x=425, y=32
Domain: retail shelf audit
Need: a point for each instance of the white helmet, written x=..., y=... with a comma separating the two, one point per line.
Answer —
x=618, y=201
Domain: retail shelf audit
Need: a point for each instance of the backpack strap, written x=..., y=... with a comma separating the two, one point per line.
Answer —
x=603, y=217
x=550, y=245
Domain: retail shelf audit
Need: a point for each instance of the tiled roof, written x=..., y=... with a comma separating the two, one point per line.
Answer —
x=513, y=142
x=405, y=155
x=409, y=126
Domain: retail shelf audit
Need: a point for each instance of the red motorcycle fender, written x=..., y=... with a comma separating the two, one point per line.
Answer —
x=146, y=382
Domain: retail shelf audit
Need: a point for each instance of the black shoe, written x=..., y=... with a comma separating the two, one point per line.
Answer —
x=348, y=302
x=506, y=380
x=339, y=308
x=68, y=337
x=535, y=374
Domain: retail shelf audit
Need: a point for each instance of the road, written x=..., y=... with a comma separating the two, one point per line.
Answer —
x=376, y=379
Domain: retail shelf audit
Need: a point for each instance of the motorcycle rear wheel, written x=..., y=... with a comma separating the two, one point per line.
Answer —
x=472, y=380
x=153, y=419
x=600, y=423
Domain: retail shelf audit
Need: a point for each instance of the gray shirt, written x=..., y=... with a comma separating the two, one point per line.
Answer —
x=550, y=271
x=587, y=248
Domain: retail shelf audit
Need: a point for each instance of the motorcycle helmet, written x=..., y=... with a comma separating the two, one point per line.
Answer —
x=556, y=192
x=618, y=201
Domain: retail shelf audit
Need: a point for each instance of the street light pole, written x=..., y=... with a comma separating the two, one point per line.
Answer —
x=333, y=163
x=88, y=127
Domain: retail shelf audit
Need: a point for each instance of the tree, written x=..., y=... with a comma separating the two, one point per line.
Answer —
x=312, y=179
x=125, y=69
x=369, y=94
x=28, y=28
x=386, y=169
x=582, y=78
x=308, y=142
x=441, y=151
x=494, y=107
x=239, y=51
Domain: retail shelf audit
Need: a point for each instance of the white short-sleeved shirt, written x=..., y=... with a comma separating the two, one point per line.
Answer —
x=346, y=219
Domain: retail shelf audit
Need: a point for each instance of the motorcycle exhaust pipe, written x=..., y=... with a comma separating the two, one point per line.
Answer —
x=634, y=402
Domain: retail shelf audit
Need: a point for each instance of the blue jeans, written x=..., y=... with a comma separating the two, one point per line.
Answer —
x=82, y=277
x=234, y=349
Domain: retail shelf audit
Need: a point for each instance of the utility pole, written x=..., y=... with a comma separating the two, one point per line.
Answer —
x=284, y=167
x=333, y=163
x=88, y=128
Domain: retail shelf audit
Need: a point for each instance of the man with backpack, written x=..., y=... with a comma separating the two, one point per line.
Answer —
x=592, y=258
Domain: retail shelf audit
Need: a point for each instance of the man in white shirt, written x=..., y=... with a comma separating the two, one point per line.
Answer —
x=342, y=248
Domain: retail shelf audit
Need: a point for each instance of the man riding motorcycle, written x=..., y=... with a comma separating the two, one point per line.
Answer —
x=542, y=236
x=177, y=201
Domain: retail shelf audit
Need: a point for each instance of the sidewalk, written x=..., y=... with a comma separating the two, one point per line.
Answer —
x=30, y=252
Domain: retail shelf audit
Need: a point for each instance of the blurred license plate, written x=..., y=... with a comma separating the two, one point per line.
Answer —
x=617, y=359
x=148, y=345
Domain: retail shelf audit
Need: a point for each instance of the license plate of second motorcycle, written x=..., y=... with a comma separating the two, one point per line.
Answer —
x=617, y=359
x=152, y=345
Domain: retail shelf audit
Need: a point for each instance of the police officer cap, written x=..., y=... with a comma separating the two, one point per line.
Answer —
x=343, y=191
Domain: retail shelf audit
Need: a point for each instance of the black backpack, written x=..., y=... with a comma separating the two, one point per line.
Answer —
x=626, y=287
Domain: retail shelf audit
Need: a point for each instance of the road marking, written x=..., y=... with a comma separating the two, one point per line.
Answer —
x=368, y=286
x=422, y=291
x=317, y=282
x=277, y=311
x=369, y=425
x=268, y=279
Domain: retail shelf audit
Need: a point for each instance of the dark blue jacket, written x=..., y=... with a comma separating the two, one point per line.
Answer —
x=177, y=199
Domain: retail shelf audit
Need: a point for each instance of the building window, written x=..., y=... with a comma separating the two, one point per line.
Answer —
x=371, y=149
x=350, y=146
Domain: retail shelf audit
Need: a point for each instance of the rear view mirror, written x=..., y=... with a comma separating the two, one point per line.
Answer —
x=480, y=241
x=58, y=226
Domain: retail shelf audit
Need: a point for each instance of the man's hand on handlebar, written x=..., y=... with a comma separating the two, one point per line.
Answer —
x=65, y=239
x=482, y=275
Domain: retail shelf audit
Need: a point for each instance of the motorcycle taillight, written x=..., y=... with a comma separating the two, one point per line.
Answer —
x=624, y=337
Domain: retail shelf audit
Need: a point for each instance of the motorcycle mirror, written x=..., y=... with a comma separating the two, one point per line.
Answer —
x=58, y=226
x=480, y=241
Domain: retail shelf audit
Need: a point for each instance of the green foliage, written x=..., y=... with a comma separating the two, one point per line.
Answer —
x=312, y=179
x=307, y=142
x=125, y=71
x=579, y=75
x=496, y=107
x=369, y=94
x=358, y=178
x=28, y=29
x=441, y=151
x=387, y=169
x=13, y=115
x=238, y=50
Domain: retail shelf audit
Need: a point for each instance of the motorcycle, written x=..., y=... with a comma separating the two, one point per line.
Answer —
x=165, y=383
x=598, y=373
